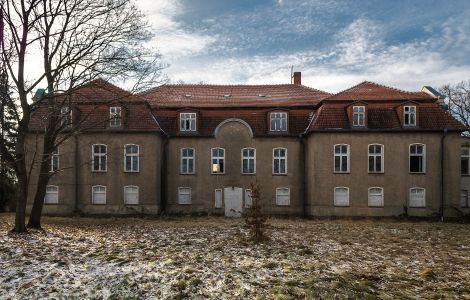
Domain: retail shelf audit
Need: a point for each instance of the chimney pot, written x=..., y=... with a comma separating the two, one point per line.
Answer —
x=297, y=78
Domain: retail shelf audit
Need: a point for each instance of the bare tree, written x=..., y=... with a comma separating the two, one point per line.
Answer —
x=458, y=99
x=74, y=42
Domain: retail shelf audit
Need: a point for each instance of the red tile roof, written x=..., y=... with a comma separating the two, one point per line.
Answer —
x=100, y=90
x=369, y=91
x=203, y=95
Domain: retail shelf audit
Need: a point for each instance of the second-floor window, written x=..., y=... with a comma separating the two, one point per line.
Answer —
x=376, y=158
x=218, y=161
x=187, y=121
x=115, y=116
x=465, y=161
x=187, y=161
x=279, y=161
x=409, y=115
x=248, y=161
x=131, y=158
x=99, y=158
x=359, y=115
x=54, y=160
x=66, y=116
x=417, y=158
x=341, y=154
x=278, y=121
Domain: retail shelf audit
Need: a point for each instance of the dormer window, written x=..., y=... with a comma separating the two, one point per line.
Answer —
x=359, y=113
x=409, y=118
x=115, y=116
x=187, y=121
x=278, y=121
x=65, y=116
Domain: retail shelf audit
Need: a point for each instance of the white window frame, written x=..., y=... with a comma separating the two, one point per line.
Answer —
x=56, y=193
x=335, y=202
x=248, y=198
x=218, y=160
x=280, y=159
x=411, y=112
x=467, y=156
x=131, y=155
x=423, y=155
x=360, y=112
x=382, y=159
x=180, y=194
x=410, y=196
x=463, y=204
x=187, y=158
x=66, y=116
x=279, y=120
x=126, y=202
x=55, y=161
x=115, y=116
x=369, y=196
x=278, y=202
x=99, y=157
x=341, y=156
x=188, y=116
x=218, y=204
x=249, y=158
x=93, y=194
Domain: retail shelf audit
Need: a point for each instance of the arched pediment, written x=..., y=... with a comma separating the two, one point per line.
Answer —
x=224, y=122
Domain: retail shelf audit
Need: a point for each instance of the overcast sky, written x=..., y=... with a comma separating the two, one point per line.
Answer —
x=334, y=43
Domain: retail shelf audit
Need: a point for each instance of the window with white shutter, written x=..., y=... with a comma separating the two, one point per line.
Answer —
x=341, y=196
x=376, y=196
x=282, y=196
x=417, y=197
x=52, y=194
x=218, y=198
x=464, y=198
x=184, y=195
x=98, y=194
x=131, y=194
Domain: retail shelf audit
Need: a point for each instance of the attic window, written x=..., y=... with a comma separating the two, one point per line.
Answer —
x=409, y=116
x=359, y=115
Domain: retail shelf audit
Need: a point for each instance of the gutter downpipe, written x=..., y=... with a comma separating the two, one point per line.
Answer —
x=441, y=208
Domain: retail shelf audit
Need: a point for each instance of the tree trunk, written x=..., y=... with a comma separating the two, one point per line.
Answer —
x=20, y=213
x=36, y=210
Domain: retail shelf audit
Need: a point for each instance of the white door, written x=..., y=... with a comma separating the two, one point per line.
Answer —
x=233, y=201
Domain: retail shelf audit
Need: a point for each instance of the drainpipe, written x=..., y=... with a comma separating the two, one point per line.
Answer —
x=441, y=208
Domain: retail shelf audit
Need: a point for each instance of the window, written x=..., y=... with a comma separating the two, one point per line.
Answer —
x=417, y=197
x=187, y=161
x=341, y=158
x=184, y=195
x=279, y=161
x=248, y=161
x=410, y=115
x=187, y=121
x=376, y=158
x=248, y=199
x=54, y=160
x=463, y=198
x=99, y=158
x=417, y=158
x=115, y=116
x=98, y=194
x=376, y=196
x=465, y=161
x=131, y=194
x=282, y=196
x=278, y=121
x=52, y=194
x=131, y=158
x=218, y=161
x=218, y=198
x=341, y=196
x=359, y=115
x=65, y=116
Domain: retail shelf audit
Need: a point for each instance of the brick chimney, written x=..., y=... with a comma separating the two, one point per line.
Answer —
x=297, y=78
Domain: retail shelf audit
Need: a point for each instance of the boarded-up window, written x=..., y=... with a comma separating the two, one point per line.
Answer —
x=417, y=197
x=463, y=198
x=131, y=194
x=376, y=196
x=184, y=195
x=218, y=198
x=98, y=194
x=282, y=196
x=341, y=196
x=52, y=194
x=248, y=199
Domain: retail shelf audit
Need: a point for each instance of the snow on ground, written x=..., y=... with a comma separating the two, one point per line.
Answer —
x=211, y=258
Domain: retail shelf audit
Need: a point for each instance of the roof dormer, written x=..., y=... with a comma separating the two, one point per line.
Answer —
x=408, y=114
x=357, y=114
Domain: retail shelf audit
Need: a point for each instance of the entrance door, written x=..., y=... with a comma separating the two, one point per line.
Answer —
x=233, y=201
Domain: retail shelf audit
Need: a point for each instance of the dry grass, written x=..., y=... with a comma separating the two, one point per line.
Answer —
x=211, y=258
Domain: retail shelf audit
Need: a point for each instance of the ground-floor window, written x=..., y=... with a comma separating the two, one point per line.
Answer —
x=131, y=194
x=464, y=198
x=184, y=195
x=417, y=197
x=98, y=194
x=282, y=196
x=218, y=198
x=248, y=199
x=376, y=196
x=52, y=194
x=341, y=196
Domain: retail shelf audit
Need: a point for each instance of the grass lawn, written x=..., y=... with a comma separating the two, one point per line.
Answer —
x=211, y=258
